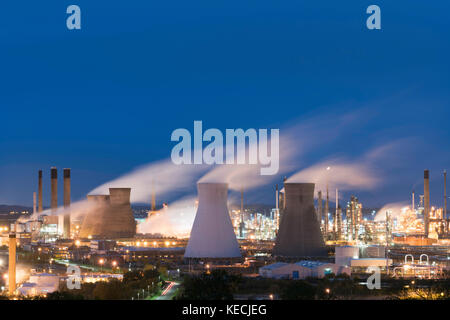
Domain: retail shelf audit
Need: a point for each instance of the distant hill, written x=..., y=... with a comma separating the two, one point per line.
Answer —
x=6, y=209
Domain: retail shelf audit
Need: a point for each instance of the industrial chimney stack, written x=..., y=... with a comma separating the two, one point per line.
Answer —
x=40, y=192
x=54, y=188
x=66, y=222
x=12, y=264
x=319, y=207
x=426, y=192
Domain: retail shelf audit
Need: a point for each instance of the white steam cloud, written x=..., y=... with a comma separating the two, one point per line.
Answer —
x=175, y=221
x=395, y=208
x=161, y=177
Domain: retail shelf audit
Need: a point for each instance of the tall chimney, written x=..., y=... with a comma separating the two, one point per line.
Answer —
x=445, y=196
x=34, y=203
x=153, y=206
x=276, y=196
x=66, y=203
x=319, y=206
x=426, y=193
x=241, y=224
x=327, y=209
x=12, y=264
x=40, y=192
x=336, y=213
x=54, y=188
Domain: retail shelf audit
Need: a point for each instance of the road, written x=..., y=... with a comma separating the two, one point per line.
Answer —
x=169, y=292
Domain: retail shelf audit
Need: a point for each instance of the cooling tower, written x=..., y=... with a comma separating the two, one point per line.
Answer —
x=110, y=216
x=212, y=234
x=299, y=234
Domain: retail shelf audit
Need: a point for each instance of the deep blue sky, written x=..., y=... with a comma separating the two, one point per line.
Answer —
x=105, y=99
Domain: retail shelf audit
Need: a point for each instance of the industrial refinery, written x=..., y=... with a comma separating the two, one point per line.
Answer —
x=253, y=151
x=299, y=237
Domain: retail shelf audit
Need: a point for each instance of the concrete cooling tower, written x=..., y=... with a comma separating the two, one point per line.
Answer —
x=110, y=216
x=212, y=234
x=299, y=234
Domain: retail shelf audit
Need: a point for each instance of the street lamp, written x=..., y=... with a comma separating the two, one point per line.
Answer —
x=101, y=262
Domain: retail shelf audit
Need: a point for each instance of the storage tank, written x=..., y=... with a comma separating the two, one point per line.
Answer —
x=212, y=234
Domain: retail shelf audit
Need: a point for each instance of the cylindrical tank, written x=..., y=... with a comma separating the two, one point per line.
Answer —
x=212, y=234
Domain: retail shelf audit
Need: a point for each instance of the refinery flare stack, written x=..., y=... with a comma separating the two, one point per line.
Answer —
x=212, y=234
x=299, y=234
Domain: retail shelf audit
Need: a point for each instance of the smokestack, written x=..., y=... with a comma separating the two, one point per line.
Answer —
x=153, y=198
x=12, y=264
x=327, y=209
x=212, y=234
x=54, y=188
x=241, y=224
x=445, y=194
x=336, y=213
x=34, y=203
x=319, y=207
x=40, y=192
x=299, y=234
x=66, y=203
x=426, y=193
x=276, y=197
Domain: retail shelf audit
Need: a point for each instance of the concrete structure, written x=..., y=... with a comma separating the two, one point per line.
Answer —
x=212, y=234
x=12, y=264
x=40, y=208
x=344, y=255
x=54, y=188
x=299, y=233
x=301, y=270
x=66, y=222
x=426, y=208
x=110, y=216
x=361, y=257
x=370, y=262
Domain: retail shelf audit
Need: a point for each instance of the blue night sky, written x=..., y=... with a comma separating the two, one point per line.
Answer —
x=105, y=99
